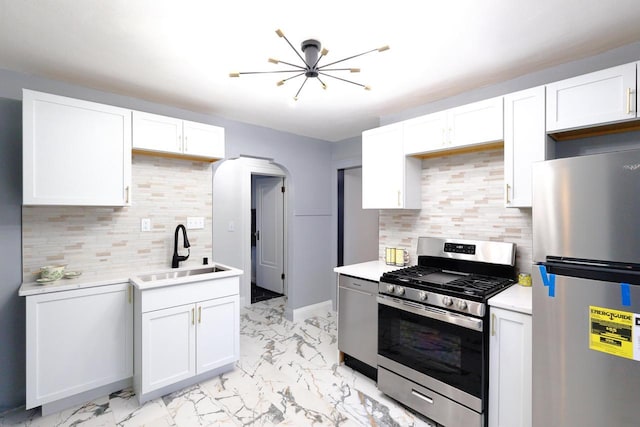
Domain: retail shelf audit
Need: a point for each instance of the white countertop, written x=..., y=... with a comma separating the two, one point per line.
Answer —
x=515, y=298
x=93, y=279
x=370, y=270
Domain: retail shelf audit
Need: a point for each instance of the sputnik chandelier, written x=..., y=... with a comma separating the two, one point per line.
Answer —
x=313, y=53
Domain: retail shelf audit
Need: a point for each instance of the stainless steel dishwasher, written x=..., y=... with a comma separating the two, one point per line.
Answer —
x=358, y=324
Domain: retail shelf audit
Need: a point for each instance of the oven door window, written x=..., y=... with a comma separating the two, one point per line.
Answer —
x=446, y=352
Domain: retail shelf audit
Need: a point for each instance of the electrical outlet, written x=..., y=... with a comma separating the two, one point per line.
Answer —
x=145, y=224
x=195, y=222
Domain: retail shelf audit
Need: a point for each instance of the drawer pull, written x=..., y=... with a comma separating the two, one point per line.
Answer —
x=422, y=396
x=193, y=316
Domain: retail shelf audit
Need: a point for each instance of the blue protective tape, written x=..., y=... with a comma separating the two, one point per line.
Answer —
x=625, y=293
x=548, y=280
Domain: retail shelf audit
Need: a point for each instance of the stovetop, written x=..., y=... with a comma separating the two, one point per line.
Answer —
x=473, y=286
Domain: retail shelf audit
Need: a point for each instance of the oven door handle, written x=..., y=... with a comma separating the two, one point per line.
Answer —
x=432, y=313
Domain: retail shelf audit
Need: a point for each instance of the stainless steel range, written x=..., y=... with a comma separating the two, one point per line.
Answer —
x=433, y=328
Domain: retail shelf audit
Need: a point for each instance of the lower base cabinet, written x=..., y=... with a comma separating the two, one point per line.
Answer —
x=510, y=369
x=180, y=342
x=77, y=341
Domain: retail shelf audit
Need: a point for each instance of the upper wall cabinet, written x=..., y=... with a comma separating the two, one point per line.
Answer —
x=525, y=142
x=390, y=180
x=472, y=124
x=177, y=138
x=593, y=99
x=75, y=152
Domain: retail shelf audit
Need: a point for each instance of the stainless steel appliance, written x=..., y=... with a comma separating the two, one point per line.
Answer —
x=586, y=298
x=433, y=328
x=357, y=326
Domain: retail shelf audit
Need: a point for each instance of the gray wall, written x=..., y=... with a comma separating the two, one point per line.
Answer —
x=12, y=319
x=308, y=160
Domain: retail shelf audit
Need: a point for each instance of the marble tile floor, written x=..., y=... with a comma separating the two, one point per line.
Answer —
x=287, y=375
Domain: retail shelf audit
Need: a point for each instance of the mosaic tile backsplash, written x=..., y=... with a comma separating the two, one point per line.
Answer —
x=108, y=239
x=462, y=197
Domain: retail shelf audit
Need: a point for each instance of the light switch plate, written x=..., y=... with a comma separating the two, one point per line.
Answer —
x=145, y=224
x=195, y=222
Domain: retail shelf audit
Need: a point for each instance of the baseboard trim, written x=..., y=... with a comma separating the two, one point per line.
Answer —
x=84, y=397
x=303, y=313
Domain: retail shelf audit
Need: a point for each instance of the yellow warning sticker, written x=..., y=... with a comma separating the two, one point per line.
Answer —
x=611, y=331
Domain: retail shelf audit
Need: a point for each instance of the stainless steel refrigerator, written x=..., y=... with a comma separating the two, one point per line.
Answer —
x=586, y=291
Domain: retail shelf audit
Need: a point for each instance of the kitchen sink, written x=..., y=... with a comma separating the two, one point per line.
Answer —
x=180, y=273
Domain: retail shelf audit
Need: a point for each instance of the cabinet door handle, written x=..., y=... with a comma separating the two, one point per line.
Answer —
x=186, y=144
x=628, y=100
x=493, y=324
x=399, y=198
x=506, y=193
x=199, y=314
x=193, y=316
x=127, y=191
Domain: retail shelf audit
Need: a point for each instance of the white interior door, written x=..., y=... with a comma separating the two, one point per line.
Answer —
x=270, y=233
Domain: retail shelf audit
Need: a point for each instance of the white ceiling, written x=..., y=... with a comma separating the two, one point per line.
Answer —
x=180, y=52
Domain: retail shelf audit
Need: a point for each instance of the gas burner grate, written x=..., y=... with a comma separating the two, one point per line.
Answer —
x=477, y=285
x=409, y=274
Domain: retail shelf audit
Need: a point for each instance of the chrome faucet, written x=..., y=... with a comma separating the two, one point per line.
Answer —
x=175, y=263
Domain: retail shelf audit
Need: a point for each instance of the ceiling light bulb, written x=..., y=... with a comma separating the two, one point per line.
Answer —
x=235, y=74
x=324, y=51
x=367, y=88
x=274, y=61
x=383, y=48
x=354, y=70
x=295, y=98
x=279, y=32
x=280, y=83
x=324, y=86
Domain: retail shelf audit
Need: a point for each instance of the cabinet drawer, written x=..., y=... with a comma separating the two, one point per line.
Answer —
x=359, y=284
x=426, y=401
x=172, y=296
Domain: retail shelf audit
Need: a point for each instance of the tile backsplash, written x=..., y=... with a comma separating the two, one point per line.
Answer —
x=108, y=239
x=462, y=197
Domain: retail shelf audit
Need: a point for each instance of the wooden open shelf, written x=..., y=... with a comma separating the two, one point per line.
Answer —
x=460, y=150
x=175, y=156
x=596, y=131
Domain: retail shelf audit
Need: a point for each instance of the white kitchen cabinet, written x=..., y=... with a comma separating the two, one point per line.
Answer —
x=426, y=133
x=390, y=180
x=218, y=328
x=598, y=98
x=510, y=369
x=75, y=152
x=465, y=126
x=477, y=123
x=184, y=332
x=169, y=136
x=168, y=347
x=77, y=341
x=525, y=142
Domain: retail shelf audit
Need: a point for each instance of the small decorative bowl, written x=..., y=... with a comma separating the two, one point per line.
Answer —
x=52, y=272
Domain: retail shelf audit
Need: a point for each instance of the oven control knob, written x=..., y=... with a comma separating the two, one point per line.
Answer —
x=447, y=301
x=399, y=290
x=391, y=288
x=461, y=304
x=422, y=295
